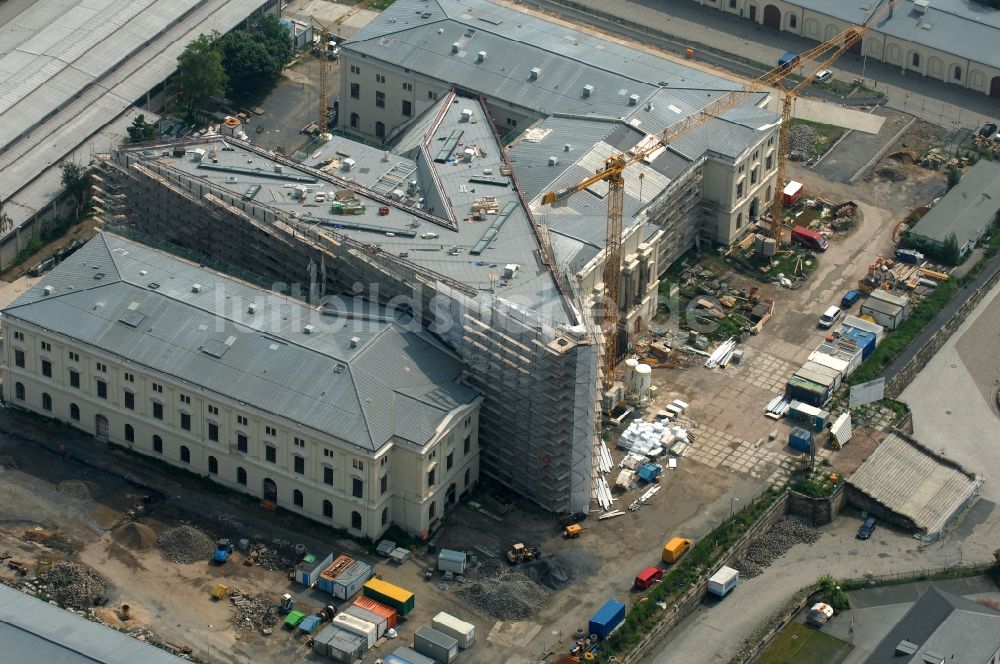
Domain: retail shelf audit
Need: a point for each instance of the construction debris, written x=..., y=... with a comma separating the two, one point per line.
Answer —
x=185, y=544
x=71, y=585
x=503, y=593
x=782, y=536
x=253, y=612
x=720, y=356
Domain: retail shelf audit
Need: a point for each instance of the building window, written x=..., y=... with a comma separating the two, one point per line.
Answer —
x=19, y=391
x=449, y=461
x=129, y=377
x=355, y=120
x=19, y=358
x=407, y=108
x=20, y=336
x=468, y=474
x=186, y=421
x=73, y=356
x=241, y=476
x=297, y=498
x=793, y=21
x=732, y=4
x=380, y=78
x=356, y=520
x=383, y=484
x=357, y=488
x=384, y=461
x=739, y=190
x=103, y=368
x=157, y=444
x=46, y=368
x=327, y=509
x=328, y=475
x=102, y=389
x=753, y=175
x=299, y=464
x=46, y=401
x=355, y=91
x=241, y=442
x=74, y=412
x=240, y=419
x=432, y=510
x=270, y=431
x=355, y=69
x=129, y=400
x=739, y=221
x=185, y=454
x=957, y=73
x=213, y=432
x=770, y=162
x=468, y=444
x=358, y=464
x=408, y=87
x=213, y=465
x=158, y=388
x=74, y=378
x=271, y=453
x=158, y=410
x=214, y=410
x=385, y=516
x=185, y=399
x=430, y=477
x=915, y=59
x=380, y=99
x=129, y=433
x=327, y=452
x=511, y=122
x=299, y=442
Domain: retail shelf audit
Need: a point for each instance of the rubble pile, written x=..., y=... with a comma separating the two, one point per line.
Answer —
x=185, y=544
x=801, y=138
x=71, y=584
x=503, y=593
x=783, y=535
x=269, y=559
x=253, y=612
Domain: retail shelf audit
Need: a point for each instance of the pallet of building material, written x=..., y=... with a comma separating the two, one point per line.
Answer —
x=485, y=203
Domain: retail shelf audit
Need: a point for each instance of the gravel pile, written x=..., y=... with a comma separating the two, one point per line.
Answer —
x=135, y=536
x=783, y=535
x=72, y=585
x=503, y=593
x=185, y=544
x=801, y=138
x=253, y=612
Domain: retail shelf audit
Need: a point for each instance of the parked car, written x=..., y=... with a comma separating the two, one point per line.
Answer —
x=988, y=130
x=823, y=75
x=829, y=317
x=867, y=528
x=850, y=298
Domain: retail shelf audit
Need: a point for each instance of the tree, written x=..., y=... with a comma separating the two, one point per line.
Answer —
x=253, y=60
x=141, y=130
x=954, y=175
x=76, y=182
x=950, y=252
x=200, y=74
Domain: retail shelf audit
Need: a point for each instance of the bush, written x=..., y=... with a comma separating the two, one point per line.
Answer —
x=833, y=594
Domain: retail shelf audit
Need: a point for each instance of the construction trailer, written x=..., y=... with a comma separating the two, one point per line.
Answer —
x=461, y=631
x=434, y=644
x=720, y=583
x=452, y=561
x=332, y=571
x=411, y=656
x=887, y=309
x=381, y=622
x=308, y=570
x=357, y=626
x=339, y=644
x=351, y=580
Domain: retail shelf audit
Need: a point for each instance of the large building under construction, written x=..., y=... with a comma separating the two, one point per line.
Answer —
x=477, y=112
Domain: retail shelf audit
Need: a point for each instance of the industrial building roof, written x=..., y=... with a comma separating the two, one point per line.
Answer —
x=968, y=208
x=906, y=478
x=35, y=631
x=938, y=627
x=348, y=369
x=967, y=29
x=69, y=67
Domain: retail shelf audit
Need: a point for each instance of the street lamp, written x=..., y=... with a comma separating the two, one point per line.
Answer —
x=732, y=500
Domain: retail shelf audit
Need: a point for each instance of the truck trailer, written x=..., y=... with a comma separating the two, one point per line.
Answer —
x=723, y=581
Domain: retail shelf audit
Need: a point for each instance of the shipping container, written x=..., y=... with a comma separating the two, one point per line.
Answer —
x=378, y=608
x=394, y=596
x=332, y=571
x=461, y=631
x=723, y=581
x=800, y=439
x=350, y=581
x=434, y=644
x=357, y=626
x=393, y=659
x=451, y=561
x=607, y=618
x=675, y=548
x=368, y=616
x=411, y=656
x=339, y=644
x=308, y=571
x=791, y=194
x=647, y=578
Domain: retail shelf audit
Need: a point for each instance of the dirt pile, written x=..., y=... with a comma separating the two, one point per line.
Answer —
x=185, y=544
x=72, y=585
x=503, y=593
x=135, y=536
x=78, y=489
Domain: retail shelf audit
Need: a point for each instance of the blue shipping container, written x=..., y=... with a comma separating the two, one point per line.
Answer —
x=800, y=439
x=863, y=338
x=607, y=618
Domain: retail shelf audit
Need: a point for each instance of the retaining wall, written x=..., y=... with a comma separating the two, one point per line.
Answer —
x=819, y=511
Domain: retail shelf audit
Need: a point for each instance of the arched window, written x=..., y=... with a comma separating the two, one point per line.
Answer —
x=297, y=498
x=129, y=433
x=328, y=509
x=241, y=476
x=957, y=73
x=46, y=401
x=157, y=444
x=915, y=59
x=19, y=391
x=185, y=454
x=355, y=120
x=380, y=129
x=356, y=520
x=385, y=516
x=213, y=465
x=74, y=412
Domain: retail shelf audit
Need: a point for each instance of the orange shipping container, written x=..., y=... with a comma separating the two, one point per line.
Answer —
x=378, y=608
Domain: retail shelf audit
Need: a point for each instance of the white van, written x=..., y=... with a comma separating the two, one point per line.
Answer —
x=829, y=317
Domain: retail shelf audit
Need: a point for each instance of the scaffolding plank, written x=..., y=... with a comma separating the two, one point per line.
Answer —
x=371, y=228
x=494, y=228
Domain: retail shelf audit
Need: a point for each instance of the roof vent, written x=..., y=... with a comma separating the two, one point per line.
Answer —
x=251, y=308
x=633, y=100
x=567, y=147
x=47, y=290
x=920, y=6
x=455, y=46
x=355, y=341
x=553, y=161
x=535, y=73
x=196, y=288
x=588, y=90
x=278, y=168
x=347, y=164
x=466, y=115
x=649, y=106
x=308, y=329
x=481, y=56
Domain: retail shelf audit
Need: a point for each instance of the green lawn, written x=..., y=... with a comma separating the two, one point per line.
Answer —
x=801, y=644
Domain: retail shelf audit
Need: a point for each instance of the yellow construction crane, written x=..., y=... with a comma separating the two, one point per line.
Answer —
x=324, y=93
x=612, y=171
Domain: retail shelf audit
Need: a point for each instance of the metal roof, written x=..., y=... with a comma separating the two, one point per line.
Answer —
x=968, y=30
x=355, y=374
x=35, y=631
x=967, y=209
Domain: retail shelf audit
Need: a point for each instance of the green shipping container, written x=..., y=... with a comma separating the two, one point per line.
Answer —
x=386, y=593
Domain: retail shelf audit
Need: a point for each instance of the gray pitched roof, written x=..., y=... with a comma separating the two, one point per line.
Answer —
x=943, y=624
x=965, y=210
x=145, y=308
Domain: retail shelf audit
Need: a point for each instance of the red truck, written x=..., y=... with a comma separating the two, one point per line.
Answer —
x=809, y=238
x=647, y=578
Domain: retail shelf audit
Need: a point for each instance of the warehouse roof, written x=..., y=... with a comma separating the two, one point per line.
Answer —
x=967, y=29
x=35, y=631
x=349, y=370
x=968, y=208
